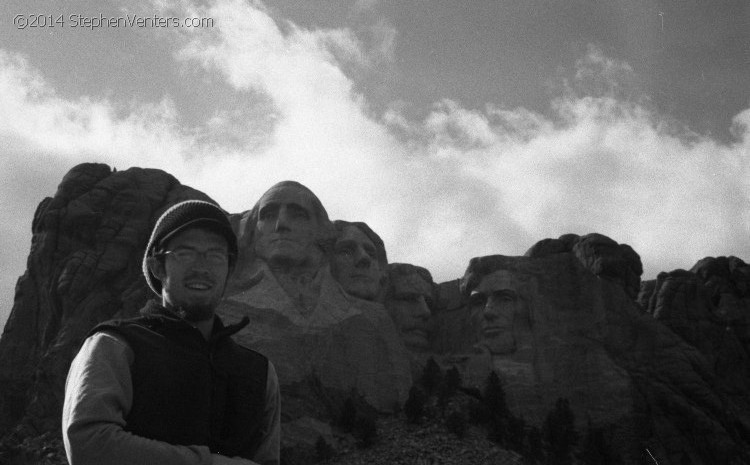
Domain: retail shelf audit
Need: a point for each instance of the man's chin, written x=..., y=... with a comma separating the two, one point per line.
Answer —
x=197, y=312
x=500, y=345
x=416, y=342
x=362, y=291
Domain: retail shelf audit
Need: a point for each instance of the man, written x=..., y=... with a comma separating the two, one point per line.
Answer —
x=171, y=386
x=494, y=297
x=410, y=293
x=359, y=260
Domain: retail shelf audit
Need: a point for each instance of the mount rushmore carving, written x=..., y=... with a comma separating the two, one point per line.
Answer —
x=661, y=364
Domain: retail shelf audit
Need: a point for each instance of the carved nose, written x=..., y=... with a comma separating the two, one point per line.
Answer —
x=362, y=259
x=490, y=312
x=282, y=221
x=423, y=311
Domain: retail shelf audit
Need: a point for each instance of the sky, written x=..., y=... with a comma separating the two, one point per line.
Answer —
x=454, y=129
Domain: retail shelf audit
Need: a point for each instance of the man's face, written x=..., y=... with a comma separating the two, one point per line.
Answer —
x=196, y=288
x=408, y=309
x=355, y=264
x=286, y=228
x=496, y=300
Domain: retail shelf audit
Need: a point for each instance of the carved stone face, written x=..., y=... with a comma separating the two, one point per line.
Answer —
x=287, y=228
x=409, y=310
x=496, y=300
x=355, y=264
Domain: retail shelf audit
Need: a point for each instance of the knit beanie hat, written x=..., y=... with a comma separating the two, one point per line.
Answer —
x=181, y=216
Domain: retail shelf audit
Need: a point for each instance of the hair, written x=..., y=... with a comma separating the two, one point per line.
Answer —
x=478, y=268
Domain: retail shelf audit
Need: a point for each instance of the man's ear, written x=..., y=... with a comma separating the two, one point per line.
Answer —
x=157, y=268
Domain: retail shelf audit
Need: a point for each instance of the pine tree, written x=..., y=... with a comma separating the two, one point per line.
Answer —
x=414, y=406
x=432, y=375
x=452, y=381
x=516, y=433
x=365, y=430
x=533, y=447
x=448, y=388
x=559, y=433
x=348, y=415
x=494, y=397
x=596, y=448
x=498, y=412
x=323, y=450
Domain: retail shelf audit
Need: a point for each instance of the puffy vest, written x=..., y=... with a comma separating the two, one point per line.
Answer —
x=189, y=391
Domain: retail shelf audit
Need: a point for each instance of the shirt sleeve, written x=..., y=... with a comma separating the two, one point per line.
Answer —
x=98, y=397
x=268, y=452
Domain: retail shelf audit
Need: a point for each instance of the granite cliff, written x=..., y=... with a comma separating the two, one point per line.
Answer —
x=661, y=365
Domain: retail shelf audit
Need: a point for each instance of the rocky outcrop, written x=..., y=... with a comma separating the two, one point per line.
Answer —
x=661, y=379
x=601, y=255
x=663, y=365
x=84, y=267
x=346, y=342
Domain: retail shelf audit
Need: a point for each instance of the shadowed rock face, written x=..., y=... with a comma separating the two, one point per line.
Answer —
x=411, y=292
x=666, y=368
x=599, y=254
x=661, y=381
x=303, y=318
x=359, y=262
x=84, y=267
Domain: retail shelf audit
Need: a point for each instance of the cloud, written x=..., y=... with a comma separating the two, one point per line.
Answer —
x=441, y=189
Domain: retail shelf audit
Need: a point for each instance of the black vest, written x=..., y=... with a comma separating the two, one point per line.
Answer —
x=189, y=391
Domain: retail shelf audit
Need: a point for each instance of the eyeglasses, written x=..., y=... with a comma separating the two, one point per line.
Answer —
x=189, y=256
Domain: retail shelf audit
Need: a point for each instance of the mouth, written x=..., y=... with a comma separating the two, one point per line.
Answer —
x=416, y=332
x=493, y=331
x=199, y=285
x=416, y=338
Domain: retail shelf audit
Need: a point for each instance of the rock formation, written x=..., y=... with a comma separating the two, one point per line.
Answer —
x=553, y=329
x=84, y=267
x=301, y=317
x=359, y=261
x=599, y=254
x=411, y=293
x=663, y=365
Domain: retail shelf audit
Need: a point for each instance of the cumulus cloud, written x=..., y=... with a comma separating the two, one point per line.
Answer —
x=441, y=189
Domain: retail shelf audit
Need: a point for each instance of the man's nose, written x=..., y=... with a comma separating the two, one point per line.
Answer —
x=200, y=262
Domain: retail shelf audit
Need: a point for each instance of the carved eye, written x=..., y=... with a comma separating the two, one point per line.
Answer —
x=268, y=212
x=345, y=250
x=370, y=251
x=297, y=212
x=477, y=299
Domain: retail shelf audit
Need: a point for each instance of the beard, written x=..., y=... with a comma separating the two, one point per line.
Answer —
x=196, y=312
